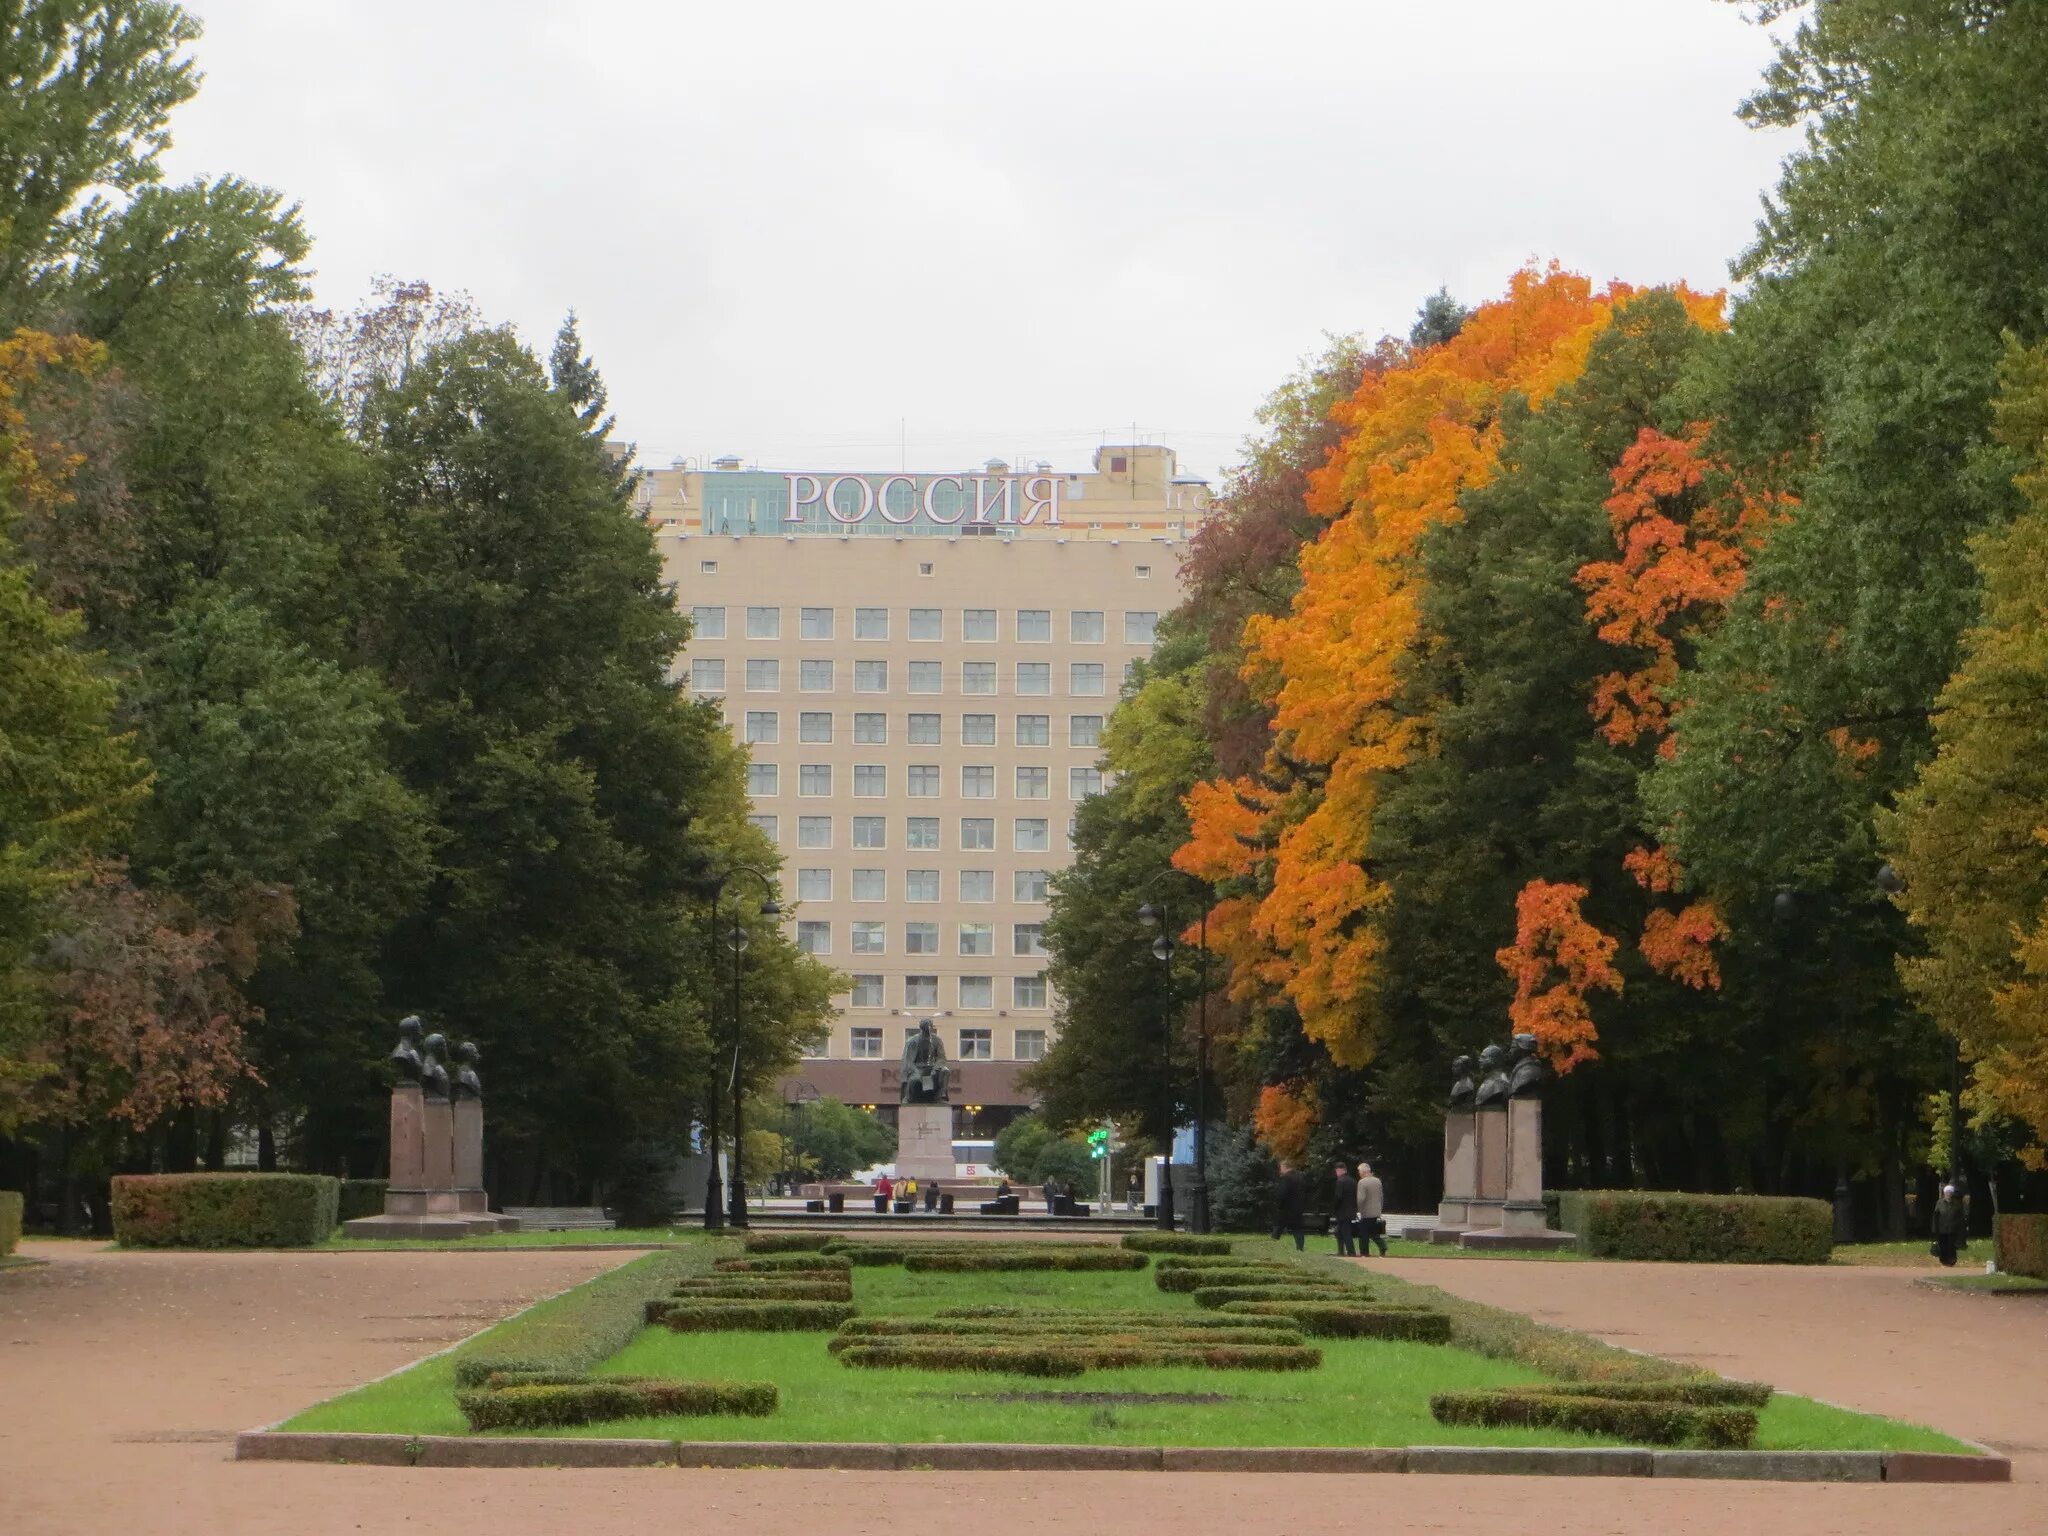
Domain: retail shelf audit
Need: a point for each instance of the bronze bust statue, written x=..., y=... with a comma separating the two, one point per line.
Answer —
x=405, y=1057
x=924, y=1078
x=1493, y=1079
x=434, y=1076
x=467, y=1085
x=1527, y=1071
x=1462, y=1087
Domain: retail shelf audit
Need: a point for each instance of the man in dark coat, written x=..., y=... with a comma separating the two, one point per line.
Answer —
x=1290, y=1204
x=1344, y=1209
x=1950, y=1226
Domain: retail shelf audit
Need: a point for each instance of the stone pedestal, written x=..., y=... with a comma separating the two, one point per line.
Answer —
x=438, y=1125
x=470, y=1199
x=924, y=1142
x=1490, y=1133
x=406, y=1194
x=1525, y=1152
x=1461, y=1169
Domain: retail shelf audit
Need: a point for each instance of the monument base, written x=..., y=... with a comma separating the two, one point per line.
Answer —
x=413, y=1227
x=924, y=1142
x=1502, y=1241
x=1484, y=1214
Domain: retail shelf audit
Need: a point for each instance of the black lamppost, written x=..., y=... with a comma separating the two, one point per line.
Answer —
x=1155, y=915
x=715, y=1216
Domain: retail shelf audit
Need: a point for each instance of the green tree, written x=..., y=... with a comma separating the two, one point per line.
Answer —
x=834, y=1140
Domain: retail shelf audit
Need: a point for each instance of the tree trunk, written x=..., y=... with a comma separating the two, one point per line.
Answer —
x=216, y=1141
x=266, y=1147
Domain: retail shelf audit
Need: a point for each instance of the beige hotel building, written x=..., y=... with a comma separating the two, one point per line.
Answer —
x=920, y=666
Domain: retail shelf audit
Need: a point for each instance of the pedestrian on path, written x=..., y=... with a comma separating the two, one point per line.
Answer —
x=1290, y=1204
x=1372, y=1211
x=1949, y=1226
x=1344, y=1209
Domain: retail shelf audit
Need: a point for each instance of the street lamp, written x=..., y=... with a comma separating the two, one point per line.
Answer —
x=715, y=1216
x=1155, y=915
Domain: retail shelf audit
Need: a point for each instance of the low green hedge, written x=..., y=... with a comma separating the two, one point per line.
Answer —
x=1077, y=1338
x=224, y=1210
x=2021, y=1245
x=1197, y=1279
x=1227, y=1261
x=11, y=1202
x=865, y=1255
x=1707, y=1229
x=575, y=1332
x=764, y=1290
x=1052, y=1317
x=1337, y=1320
x=787, y=1242
x=1699, y=1392
x=712, y=1316
x=1176, y=1242
x=550, y=1403
x=361, y=1197
x=1015, y=1359
x=1055, y=1357
x=1644, y=1423
x=771, y=1263
x=1272, y=1330
x=1066, y=1259
x=1214, y=1296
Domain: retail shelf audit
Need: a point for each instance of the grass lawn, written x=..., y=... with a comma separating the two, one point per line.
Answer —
x=1911, y=1254
x=1997, y=1285
x=1368, y=1392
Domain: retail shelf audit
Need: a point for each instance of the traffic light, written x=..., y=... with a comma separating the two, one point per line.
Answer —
x=1098, y=1143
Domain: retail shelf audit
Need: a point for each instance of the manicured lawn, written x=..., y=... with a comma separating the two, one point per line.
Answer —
x=1367, y=1392
x=1997, y=1285
x=1910, y=1254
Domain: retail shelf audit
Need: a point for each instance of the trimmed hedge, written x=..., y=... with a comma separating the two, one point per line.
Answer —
x=1214, y=1296
x=715, y=1316
x=1336, y=1320
x=575, y=1332
x=1052, y=1317
x=361, y=1197
x=1066, y=1259
x=1080, y=1355
x=2020, y=1243
x=1701, y=1392
x=1271, y=1330
x=1176, y=1242
x=1706, y=1229
x=865, y=1255
x=1196, y=1279
x=1079, y=1338
x=1644, y=1423
x=771, y=1263
x=11, y=1203
x=554, y=1401
x=764, y=1290
x=787, y=1242
x=1231, y=1261
x=1018, y=1360
x=224, y=1210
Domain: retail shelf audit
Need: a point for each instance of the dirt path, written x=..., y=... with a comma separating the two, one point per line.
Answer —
x=123, y=1376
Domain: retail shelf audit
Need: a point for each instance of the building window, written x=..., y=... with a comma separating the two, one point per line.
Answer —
x=924, y=729
x=977, y=677
x=814, y=938
x=1034, y=834
x=924, y=780
x=870, y=780
x=764, y=623
x=871, y=677
x=766, y=826
x=1083, y=782
x=977, y=885
x=1084, y=730
x=870, y=938
x=976, y=1045
x=1118, y=464
x=924, y=677
x=1140, y=628
x=707, y=674
x=977, y=624
x=707, y=567
x=814, y=885
x=867, y=1043
x=1071, y=825
x=1030, y=1045
x=920, y=938
x=870, y=885
x=977, y=938
x=924, y=567
x=871, y=730
x=977, y=992
x=814, y=676
x=921, y=832
x=1027, y=939
x=978, y=783
x=707, y=622
x=920, y=991
x=1084, y=678
x=815, y=624
x=761, y=779
x=978, y=730
x=1028, y=885
x=1034, y=730
x=814, y=779
x=1034, y=624
x=870, y=623
x=1084, y=626
x=1130, y=673
x=927, y=624
x=814, y=725
x=1027, y=991
x=1034, y=677
x=763, y=726
x=867, y=993
x=814, y=831
x=920, y=885
x=1143, y=571
x=764, y=676
x=870, y=831
x=977, y=833
x=1033, y=783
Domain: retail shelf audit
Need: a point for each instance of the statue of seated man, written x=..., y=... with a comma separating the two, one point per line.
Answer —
x=925, y=1077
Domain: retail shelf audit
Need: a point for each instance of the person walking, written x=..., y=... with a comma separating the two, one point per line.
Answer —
x=1051, y=1191
x=1949, y=1226
x=1344, y=1210
x=1372, y=1212
x=1290, y=1204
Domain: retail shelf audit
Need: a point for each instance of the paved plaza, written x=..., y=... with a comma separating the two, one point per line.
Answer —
x=123, y=1377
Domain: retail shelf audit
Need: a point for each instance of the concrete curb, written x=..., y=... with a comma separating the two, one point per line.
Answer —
x=1427, y=1460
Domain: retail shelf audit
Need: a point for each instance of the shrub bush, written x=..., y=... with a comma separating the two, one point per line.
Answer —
x=1080, y=1338
x=1709, y=1229
x=360, y=1197
x=1644, y=1423
x=865, y=1255
x=1196, y=1279
x=1699, y=1392
x=713, y=1316
x=1214, y=1296
x=770, y=1263
x=11, y=1202
x=1052, y=1317
x=1337, y=1320
x=1016, y=1359
x=787, y=1242
x=764, y=1290
x=1069, y=1357
x=1069, y=1259
x=573, y=1333
x=2021, y=1245
x=1231, y=1261
x=1176, y=1242
x=1241, y=1330
x=224, y=1210
x=546, y=1404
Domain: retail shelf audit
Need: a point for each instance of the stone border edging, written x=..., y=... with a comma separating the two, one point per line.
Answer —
x=1465, y=1460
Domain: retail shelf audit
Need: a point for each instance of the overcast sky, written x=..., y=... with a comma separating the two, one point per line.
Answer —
x=839, y=236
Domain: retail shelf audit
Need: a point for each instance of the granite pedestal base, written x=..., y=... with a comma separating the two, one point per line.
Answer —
x=924, y=1142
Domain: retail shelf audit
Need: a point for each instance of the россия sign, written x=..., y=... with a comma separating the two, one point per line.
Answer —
x=994, y=498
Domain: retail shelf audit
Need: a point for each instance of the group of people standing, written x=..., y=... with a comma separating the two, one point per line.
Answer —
x=1358, y=1210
